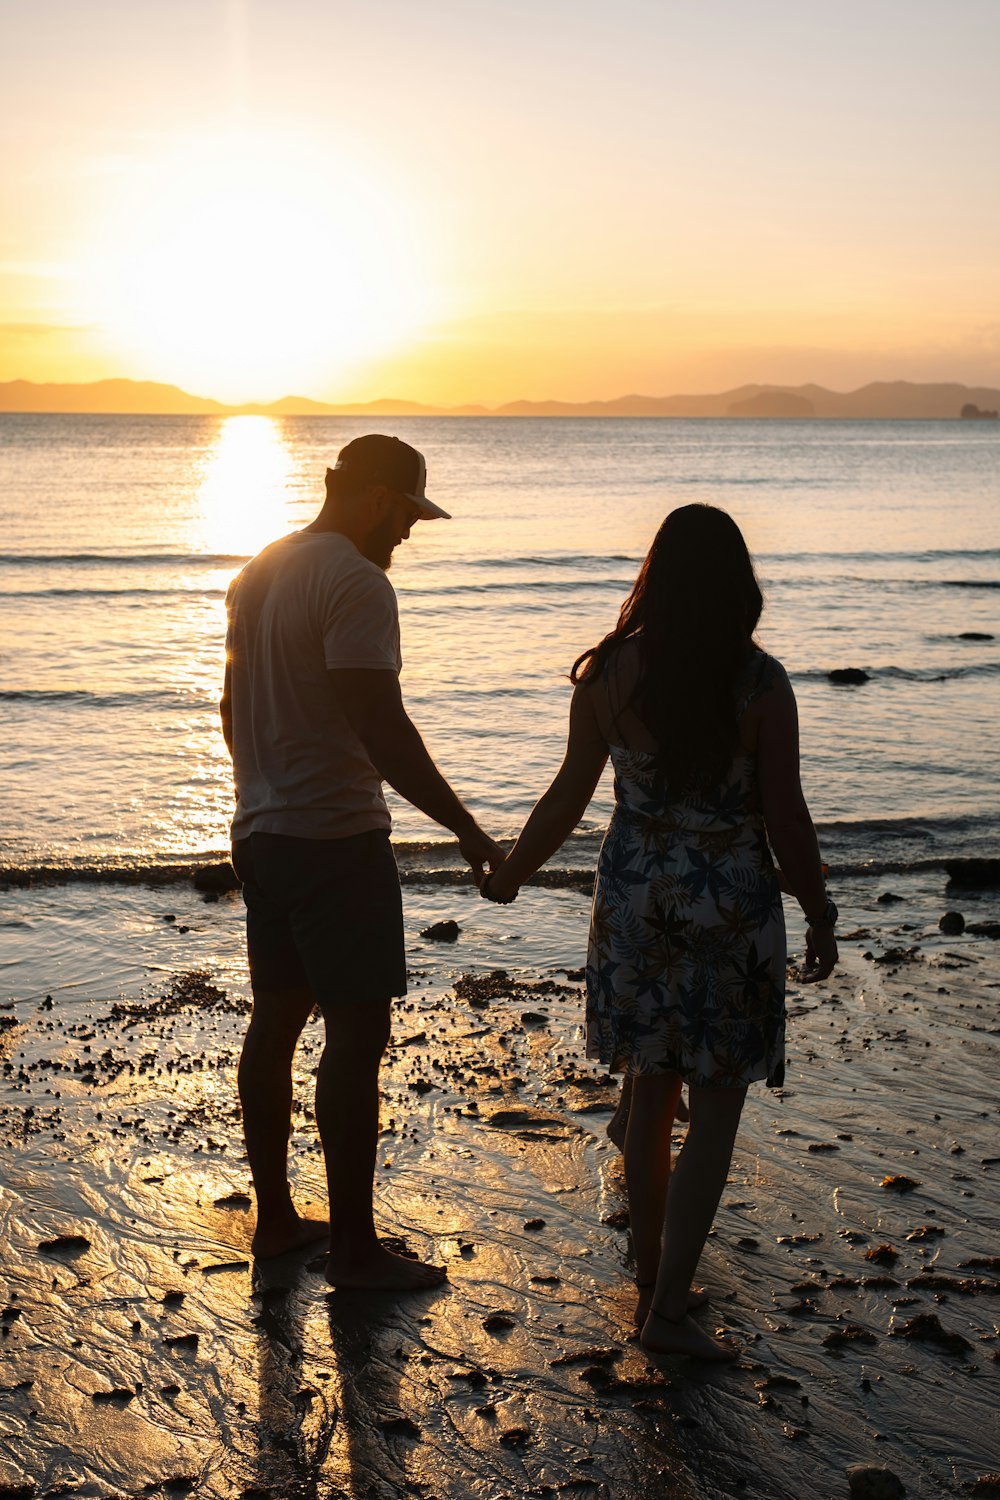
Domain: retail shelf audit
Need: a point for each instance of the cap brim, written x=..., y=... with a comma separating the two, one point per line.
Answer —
x=428, y=510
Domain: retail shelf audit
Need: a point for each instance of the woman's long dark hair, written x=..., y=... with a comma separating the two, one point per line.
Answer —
x=692, y=615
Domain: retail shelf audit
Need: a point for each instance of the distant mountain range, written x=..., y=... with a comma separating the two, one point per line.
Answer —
x=897, y=399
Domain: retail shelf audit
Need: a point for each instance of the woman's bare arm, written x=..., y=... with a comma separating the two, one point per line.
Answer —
x=786, y=816
x=559, y=810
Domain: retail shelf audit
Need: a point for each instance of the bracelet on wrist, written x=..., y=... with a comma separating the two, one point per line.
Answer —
x=826, y=918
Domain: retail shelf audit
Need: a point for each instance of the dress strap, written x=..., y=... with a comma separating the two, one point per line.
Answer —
x=760, y=681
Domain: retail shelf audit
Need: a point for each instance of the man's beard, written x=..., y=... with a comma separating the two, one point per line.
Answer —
x=379, y=544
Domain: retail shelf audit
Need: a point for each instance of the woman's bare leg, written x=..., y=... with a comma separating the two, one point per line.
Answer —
x=618, y=1124
x=647, y=1174
x=695, y=1190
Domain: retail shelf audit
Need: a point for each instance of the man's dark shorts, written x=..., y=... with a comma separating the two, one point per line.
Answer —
x=326, y=913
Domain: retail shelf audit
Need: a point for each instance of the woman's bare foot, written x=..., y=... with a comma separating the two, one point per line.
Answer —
x=697, y=1297
x=662, y=1335
x=290, y=1234
x=682, y=1113
x=382, y=1270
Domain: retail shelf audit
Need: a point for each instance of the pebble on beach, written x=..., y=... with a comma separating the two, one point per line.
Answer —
x=442, y=932
x=874, y=1482
x=952, y=924
x=900, y=1183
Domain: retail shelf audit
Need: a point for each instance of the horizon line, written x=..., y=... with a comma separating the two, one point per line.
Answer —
x=927, y=399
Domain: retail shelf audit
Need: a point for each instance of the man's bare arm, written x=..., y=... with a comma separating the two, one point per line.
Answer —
x=226, y=709
x=372, y=701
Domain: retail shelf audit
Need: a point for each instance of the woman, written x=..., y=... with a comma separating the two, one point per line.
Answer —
x=686, y=962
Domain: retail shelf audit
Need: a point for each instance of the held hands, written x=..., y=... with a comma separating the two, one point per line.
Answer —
x=479, y=850
x=821, y=953
x=498, y=887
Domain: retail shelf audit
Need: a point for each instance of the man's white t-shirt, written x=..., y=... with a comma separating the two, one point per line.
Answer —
x=305, y=604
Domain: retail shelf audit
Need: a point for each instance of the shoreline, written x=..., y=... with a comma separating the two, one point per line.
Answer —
x=159, y=1353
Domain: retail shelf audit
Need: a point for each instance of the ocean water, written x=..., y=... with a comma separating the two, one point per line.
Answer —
x=878, y=544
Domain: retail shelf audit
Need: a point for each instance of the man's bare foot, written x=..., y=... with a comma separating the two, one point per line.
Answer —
x=382, y=1270
x=291, y=1234
x=662, y=1335
x=682, y=1113
x=697, y=1297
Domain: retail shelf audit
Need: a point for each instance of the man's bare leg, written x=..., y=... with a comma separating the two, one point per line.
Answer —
x=695, y=1190
x=265, y=1082
x=347, y=1100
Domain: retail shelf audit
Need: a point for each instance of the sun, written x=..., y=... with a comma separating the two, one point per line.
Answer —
x=252, y=267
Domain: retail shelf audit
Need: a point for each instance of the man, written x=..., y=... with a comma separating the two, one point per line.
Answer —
x=314, y=721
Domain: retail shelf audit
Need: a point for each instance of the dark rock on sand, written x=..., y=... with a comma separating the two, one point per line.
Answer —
x=442, y=932
x=984, y=929
x=216, y=879
x=987, y=1484
x=851, y=1333
x=778, y=1383
x=498, y=1322
x=882, y=1255
x=187, y=1341
x=900, y=1183
x=845, y=676
x=899, y=955
x=926, y=1328
x=973, y=872
x=400, y=1427
x=952, y=924
x=67, y=1244
x=233, y=1200
x=874, y=1482
x=888, y=898
x=975, y=635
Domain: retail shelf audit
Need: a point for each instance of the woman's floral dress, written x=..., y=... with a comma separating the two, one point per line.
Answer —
x=686, y=961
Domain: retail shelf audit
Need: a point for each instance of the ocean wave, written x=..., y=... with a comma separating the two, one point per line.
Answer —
x=940, y=841
x=905, y=674
x=516, y=586
x=126, y=593
x=122, y=559
x=155, y=696
x=578, y=878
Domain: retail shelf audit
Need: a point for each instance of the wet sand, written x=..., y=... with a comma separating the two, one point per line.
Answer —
x=855, y=1257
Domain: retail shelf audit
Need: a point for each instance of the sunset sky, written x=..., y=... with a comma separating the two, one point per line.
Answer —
x=463, y=200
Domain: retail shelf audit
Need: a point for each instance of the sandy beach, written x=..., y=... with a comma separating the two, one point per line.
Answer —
x=855, y=1257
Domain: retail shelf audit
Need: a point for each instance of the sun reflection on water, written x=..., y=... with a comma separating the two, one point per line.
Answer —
x=244, y=493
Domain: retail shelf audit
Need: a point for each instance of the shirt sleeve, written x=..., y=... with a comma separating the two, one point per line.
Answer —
x=361, y=628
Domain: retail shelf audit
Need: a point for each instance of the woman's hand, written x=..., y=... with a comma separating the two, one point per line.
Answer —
x=498, y=887
x=821, y=952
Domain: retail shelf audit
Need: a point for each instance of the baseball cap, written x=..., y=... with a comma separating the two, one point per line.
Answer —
x=388, y=460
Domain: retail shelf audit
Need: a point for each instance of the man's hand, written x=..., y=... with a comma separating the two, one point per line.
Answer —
x=479, y=850
x=821, y=953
